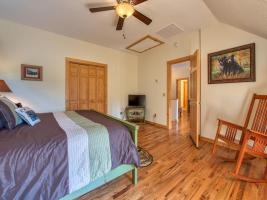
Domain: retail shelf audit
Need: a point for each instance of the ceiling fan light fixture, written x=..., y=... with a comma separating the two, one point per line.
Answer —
x=125, y=9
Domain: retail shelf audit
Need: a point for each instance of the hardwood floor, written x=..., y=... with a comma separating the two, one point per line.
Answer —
x=180, y=171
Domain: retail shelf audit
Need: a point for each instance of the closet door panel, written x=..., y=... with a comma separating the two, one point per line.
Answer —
x=73, y=106
x=83, y=88
x=92, y=71
x=101, y=90
x=73, y=86
x=93, y=88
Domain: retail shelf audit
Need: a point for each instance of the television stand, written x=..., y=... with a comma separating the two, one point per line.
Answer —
x=135, y=114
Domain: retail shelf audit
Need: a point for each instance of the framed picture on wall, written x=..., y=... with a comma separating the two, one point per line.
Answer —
x=31, y=72
x=232, y=65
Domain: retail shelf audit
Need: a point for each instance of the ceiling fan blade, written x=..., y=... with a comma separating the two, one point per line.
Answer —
x=120, y=24
x=100, y=9
x=142, y=17
x=136, y=2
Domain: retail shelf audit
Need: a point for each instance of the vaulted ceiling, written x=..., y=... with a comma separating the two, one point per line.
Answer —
x=249, y=15
x=72, y=17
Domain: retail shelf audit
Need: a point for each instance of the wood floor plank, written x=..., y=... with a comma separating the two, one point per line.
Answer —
x=180, y=171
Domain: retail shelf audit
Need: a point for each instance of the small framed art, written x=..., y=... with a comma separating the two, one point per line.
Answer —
x=31, y=72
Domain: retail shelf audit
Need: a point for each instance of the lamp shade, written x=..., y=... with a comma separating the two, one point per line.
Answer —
x=124, y=10
x=4, y=87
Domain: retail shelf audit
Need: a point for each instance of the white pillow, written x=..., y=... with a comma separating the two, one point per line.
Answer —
x=28, y=115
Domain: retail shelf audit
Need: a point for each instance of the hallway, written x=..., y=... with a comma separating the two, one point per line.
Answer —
x=182, y=127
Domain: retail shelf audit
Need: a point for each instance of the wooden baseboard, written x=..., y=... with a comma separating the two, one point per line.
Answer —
x=205, y=139
x=157, y=125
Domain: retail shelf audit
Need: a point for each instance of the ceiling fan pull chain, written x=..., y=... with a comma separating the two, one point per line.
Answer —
x=123, y=33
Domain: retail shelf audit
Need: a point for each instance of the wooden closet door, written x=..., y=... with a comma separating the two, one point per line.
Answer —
x=83, y=90
x=93, y=88
x=73, y=84
x=101, y=104
x=85, y=86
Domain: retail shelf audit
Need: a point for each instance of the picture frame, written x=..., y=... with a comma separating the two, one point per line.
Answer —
x=232, y=65
x=31, y=72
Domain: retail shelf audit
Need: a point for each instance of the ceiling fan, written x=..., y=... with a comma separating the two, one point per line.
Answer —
x=125, y=9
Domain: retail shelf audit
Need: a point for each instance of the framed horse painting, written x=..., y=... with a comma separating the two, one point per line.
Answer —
x=232, y=65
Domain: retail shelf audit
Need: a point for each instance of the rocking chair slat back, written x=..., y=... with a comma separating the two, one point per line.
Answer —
x=257, y=114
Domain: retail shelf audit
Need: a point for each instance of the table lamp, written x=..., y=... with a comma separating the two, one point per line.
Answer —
x=4, y=87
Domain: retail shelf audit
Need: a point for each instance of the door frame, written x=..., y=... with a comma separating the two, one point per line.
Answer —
x=68, y=61
x=169, y=85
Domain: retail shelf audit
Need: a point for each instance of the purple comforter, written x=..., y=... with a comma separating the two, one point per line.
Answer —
x=34, y=160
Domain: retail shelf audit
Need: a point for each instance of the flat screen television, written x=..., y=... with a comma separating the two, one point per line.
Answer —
x=136, y=100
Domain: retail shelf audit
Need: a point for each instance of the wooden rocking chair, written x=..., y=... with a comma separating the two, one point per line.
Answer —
x=233, y=135
x=253, y=138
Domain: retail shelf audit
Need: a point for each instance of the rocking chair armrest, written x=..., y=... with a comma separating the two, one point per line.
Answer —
x=256, y=134
x=226, y=123
x=258, y=147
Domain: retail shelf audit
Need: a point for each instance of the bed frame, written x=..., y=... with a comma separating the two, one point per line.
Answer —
x=113, y=174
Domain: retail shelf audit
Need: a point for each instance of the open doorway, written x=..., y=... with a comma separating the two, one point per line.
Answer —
x=180, y=94
x=186, y=85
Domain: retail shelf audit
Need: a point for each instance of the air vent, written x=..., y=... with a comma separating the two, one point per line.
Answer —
x=169, y=31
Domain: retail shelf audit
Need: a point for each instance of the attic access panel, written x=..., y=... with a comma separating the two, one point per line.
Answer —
x=144, y=44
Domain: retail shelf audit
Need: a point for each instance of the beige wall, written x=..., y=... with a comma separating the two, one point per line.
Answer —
x=152, y=73
x=146, y=74
x=20, y=44
x=229, y=101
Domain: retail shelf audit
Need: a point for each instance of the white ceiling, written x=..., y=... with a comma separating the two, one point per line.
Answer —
x=249, y=15
x=72, y=18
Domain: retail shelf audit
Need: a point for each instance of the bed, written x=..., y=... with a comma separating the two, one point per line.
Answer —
x=66, y=155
